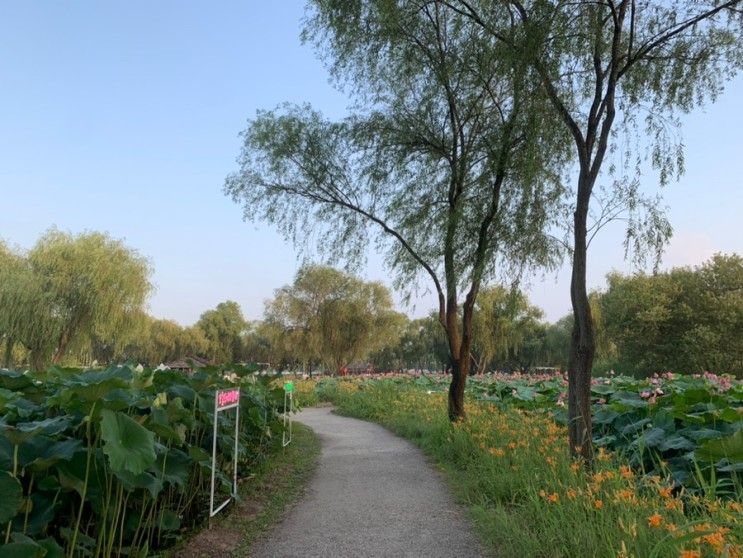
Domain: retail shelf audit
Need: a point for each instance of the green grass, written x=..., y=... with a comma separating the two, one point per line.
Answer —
x=264, y=497
x=526, y=496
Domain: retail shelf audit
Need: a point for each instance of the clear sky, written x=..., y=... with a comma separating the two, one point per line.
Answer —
x=124, y=117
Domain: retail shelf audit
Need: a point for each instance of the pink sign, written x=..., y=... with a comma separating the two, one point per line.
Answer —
x=228, y=398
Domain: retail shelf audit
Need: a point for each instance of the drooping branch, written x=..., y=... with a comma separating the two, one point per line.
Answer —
x=666, y=35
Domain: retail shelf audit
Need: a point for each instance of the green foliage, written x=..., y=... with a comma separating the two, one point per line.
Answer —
x=223, y=328
x=111, y=461
x=502, y=327
x=685, y=427
x=11, y=496
x=688, y=319
x=329, y=317
x=70, y=294
x=128, y=445
x=418, y=344
x=158, y=341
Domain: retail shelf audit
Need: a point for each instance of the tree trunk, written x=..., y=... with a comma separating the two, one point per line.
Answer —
x=459, y=363
x=9, y=343
x=461, y=360
x=583, y=345
x=64, y=341
x=456, y=389
x=38, y=360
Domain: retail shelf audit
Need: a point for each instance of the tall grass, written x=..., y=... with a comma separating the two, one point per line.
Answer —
x=528, y=497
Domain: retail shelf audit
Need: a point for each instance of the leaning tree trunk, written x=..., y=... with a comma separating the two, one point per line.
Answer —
x=583, y=345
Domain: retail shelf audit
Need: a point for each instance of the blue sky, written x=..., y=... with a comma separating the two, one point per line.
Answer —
x=124, y=117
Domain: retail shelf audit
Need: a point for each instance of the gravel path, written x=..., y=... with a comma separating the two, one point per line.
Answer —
x=373, y=494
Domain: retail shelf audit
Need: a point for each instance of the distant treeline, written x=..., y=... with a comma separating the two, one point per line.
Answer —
x=81, y=299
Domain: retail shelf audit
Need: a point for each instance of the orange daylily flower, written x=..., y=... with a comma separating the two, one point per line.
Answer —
x=665, y=492
x=655, y=520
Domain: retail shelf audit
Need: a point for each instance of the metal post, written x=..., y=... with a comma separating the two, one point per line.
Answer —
x=287, y=417
x=234, y=463
x=217, y=408
x=214, y=452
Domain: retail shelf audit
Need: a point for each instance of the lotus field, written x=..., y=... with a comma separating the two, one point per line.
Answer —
x=668, y=478
x=117, y=462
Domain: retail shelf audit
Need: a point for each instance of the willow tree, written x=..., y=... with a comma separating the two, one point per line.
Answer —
x=447, y=161
x=89, y=286
x=26, y=310
x=154, y=341
x=8, y=261
x=223, y=327
x=503, y=322
x=330, y=317
x=617, y=74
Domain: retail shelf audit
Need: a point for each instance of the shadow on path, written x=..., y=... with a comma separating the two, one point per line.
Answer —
x=373, y=494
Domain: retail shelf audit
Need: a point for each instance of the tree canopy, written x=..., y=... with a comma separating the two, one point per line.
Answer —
x=69, y=292
x=684, y=320
x=447, y=163
x=223, y=327
x=504, y=321
x=331, y=318
x=617, y=74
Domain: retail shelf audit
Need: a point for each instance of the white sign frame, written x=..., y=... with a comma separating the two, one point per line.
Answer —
x=217, y=409
x=288, y=397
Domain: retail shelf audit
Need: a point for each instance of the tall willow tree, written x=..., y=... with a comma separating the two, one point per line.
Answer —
x=97, y=285
x=26, y=310
x=69, y=293
x=617, y=74
x=330, y=317
x=448, y=162
x=503, y=321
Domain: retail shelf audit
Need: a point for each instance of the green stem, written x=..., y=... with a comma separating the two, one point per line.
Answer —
x=85, y=485
x=123, y=521
x=139, y=524
x=28, y=507
x=115, y=521
x=101, y=544
x=15, y=471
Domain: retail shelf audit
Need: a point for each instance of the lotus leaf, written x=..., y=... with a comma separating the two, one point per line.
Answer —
x=147, y=481
x=128, y=445
x=53, y=550
x=730, y=447
x=22, y=550
x=11, y=497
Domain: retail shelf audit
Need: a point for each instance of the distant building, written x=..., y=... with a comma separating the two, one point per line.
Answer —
x=189, y=364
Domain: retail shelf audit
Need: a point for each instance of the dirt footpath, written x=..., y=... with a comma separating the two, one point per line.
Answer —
x=373, y=494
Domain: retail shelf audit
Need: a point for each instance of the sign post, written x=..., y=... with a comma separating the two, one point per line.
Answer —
x=288, y=399
x=225, y=399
